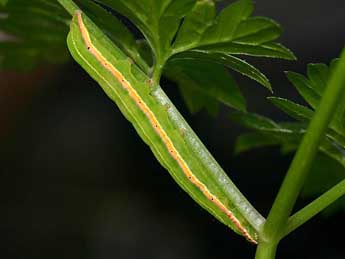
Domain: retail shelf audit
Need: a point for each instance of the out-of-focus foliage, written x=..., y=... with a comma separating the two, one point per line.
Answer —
x=35, y=32
x=329, y=167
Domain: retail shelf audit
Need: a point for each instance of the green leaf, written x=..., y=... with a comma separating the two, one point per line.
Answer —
x=195, y=98
x=330, y=159
x=190, y=29
x=3, y=2
x=319, y=182
x=289, y=135
x=295, y=110
x=329, y=166
x=232, y=62
x=254, y=121
x=205, y=36
x=195, y=25
x=172, y=12
x=231, y=32
x=257, y=30
x=339, y=116
x=311, y=89
x=158, y=20
x=318, y=75
x=245, y=69
x=286, y=135
x=209, y=79
x=334, y=150
x=226, y=23
x=304, y=88
x=248, y=141
x=145, y=51
x=37, y=33
x=268, y=50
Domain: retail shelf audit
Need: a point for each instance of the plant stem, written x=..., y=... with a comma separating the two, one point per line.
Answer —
x=302, y=216
x=266, y=250
x=158, y=66
x=157, y=73
x=297, y=173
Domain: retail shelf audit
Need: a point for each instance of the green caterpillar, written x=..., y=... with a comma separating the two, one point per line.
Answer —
x=160, y=125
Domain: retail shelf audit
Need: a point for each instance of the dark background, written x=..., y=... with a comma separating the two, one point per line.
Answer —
x=77, y=182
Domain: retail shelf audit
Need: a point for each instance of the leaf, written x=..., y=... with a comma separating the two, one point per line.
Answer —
x=195, y=98
x=226, y=23
x=339, y=116
x=284, y=134
x=319, y=182
x=248, y=141
x=190, y=29
x=3, y=2
x=329, y=166
x=334, y=150
x=268, y=50
x=37, y=31
x=195, y=25
x=246, y=69
x=318, y=75
x=289, y=135
x=257, y=30
x=158, y=20
x=254, y=121
x=304, y=88
x=145, y=51
x=210, y=79
x=295, y=110
x=311, y=89
x=232, y=62
x=231, y=32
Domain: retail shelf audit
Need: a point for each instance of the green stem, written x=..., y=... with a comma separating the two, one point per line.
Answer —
x=297, y=173
x=157, y=73
x=302, y=216
x=266, y=250
x=158, y=66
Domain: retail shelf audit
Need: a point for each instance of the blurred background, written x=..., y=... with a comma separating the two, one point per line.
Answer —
x=77, y=181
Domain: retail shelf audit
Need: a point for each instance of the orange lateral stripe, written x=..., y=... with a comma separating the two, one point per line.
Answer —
x=157, y=127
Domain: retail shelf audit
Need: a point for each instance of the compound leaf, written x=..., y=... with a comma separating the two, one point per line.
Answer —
x=206, y=78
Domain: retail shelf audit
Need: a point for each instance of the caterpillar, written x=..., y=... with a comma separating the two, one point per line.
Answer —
x=161, y=127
